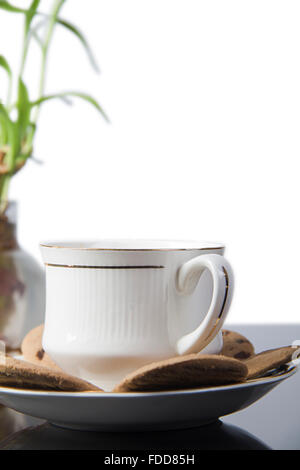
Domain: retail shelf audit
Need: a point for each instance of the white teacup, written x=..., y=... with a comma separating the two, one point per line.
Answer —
x=115, y=305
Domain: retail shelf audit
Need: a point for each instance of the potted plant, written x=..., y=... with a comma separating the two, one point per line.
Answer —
x=21, y=278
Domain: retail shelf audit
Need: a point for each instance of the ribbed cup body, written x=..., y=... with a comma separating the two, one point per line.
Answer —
x=110, y=312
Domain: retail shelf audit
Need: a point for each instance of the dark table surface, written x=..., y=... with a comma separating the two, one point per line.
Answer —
x=271, y=423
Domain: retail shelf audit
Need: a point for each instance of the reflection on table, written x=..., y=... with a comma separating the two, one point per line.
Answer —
x=44, y=436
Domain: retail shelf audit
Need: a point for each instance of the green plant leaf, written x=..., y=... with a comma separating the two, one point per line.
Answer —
x=4, y=5
x=27, y=145
x=3, y=130
x=30, y=13
x=24, y=109
x=12, y=140
x=77, y=94
x=75, y=30
x=4, y=64
x=71, y=27
x=5, y=123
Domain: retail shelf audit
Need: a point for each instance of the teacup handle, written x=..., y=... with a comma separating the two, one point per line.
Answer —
x=188, y=276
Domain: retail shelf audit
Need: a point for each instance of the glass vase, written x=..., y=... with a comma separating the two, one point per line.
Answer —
x=22, y=284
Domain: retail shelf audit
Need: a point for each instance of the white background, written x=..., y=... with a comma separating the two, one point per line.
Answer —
x=204, y=102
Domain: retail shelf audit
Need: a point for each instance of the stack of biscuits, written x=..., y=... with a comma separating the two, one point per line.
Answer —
x=237, y=363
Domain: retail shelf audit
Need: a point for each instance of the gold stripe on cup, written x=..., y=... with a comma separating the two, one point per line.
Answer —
x=79, y=266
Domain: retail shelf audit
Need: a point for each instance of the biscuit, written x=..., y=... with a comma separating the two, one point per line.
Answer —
x=183, y=372
x=21, y=374
x=33, y=351
x=271, y=359
x=236, y=345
